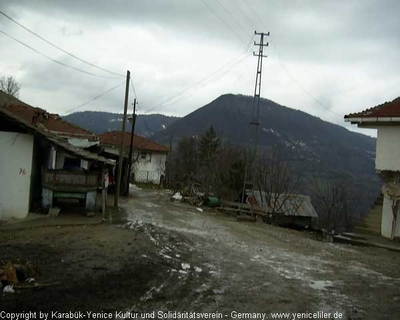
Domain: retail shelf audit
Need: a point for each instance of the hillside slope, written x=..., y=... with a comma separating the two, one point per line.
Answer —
x=315, y=147
x=99, y=122
x=297, y=134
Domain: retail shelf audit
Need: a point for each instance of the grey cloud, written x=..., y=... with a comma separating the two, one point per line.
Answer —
x=335, y=49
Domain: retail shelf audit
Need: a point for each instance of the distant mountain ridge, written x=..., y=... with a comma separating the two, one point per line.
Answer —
x=314, y=146
x=99, y=122
x=298, y=134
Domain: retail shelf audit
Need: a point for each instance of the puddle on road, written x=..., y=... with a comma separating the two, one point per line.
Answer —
x=321, y=284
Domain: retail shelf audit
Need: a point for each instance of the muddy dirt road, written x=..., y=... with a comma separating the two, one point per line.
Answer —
x=169, y=256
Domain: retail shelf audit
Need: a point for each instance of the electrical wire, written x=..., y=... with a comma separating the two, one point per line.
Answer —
x=164, y=104
x=231, y=16
x=133, y=88
x=95, y=98
x=247, y=18
x=245, y=68
x=294, y=79
x=307, y=92
x=200, y=81
x=57, y=47
x=283, y=66
x=223, y=21
x=54, y=60
x=255, y=14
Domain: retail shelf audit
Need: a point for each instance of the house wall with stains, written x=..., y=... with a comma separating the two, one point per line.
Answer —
x=149, y=166
x=388, y=148
x=387, y=219
x=15, y=172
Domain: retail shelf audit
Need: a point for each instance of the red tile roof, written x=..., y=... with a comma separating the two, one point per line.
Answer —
x=387, y=109
x=51, y=122
x=53, y=138
x=114, y=138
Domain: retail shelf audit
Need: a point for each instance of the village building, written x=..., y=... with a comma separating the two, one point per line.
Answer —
x=295, y=210
x=43, y=159
x=386, y=119
x=148, y=157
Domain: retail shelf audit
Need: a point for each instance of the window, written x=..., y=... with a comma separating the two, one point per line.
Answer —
x=145, y=155
x=72, y=163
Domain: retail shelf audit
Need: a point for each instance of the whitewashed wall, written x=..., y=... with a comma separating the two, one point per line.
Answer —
x=388, y=148
x=15, y=174
x=151, y=168
x=387, y=218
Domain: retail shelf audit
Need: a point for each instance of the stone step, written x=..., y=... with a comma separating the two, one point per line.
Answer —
x=367, y=230
x=366, y=224
x=372, y=220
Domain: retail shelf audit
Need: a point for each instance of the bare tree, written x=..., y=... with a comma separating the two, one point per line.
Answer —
x=336, y=204
x=10, y=86
x=276, y=183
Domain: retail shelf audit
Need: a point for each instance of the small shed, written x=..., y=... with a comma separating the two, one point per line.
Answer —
x=293, y=210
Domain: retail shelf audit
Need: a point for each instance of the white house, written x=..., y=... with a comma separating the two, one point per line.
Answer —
x=149, y=157
x=386, y=119
x=38, y=163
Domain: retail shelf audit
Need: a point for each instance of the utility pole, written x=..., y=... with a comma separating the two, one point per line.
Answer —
x=168, y=178
x=121, y=149
x=255, y=115
x=131, y=143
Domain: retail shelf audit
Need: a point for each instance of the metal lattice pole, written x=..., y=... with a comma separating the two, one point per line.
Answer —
x=255, y=115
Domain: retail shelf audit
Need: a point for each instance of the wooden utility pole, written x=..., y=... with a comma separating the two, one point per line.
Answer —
x=168, y=175
x=121, y=149
x=131, y=142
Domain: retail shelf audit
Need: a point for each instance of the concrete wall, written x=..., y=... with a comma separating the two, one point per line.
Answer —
x=15, y=174
x=387, y=218
x=150, y=168
x=388, y=148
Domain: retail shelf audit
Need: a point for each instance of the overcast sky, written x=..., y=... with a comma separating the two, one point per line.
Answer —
x=327, y=58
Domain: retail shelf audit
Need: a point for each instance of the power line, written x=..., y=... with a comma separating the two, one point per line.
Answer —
x=231, y=16
x=200, y=81
x=54, y=60
x=59, y=48
x=137, y=107
x=95, y=98
x=242, y=74
x=223, y=21
x=251, y=23
x=133, y=88
x=294, y=79
x=255, y=14
x=307, y=92
x=163, y=104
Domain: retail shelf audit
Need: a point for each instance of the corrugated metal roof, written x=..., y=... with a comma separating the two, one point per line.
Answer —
x=289, y=205
x=54, y=139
